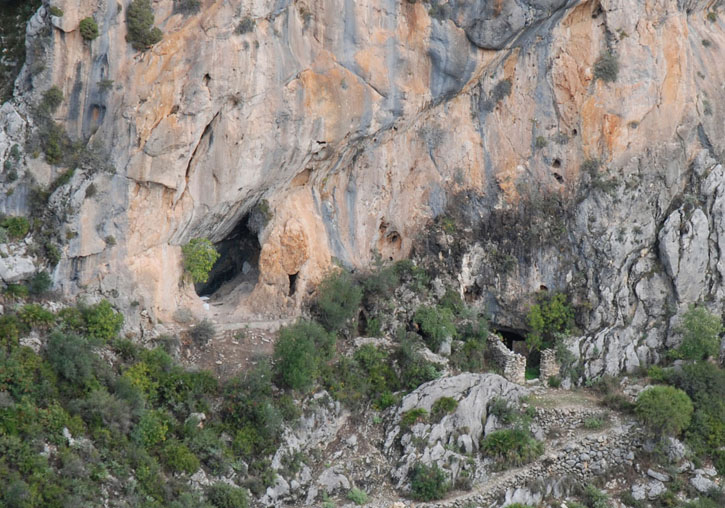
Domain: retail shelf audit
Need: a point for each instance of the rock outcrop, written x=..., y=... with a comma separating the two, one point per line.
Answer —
x=357, y=123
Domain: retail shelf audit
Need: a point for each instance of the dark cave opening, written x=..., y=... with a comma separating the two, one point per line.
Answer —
x=237, y=265
x=293, y=283
x=514, y=338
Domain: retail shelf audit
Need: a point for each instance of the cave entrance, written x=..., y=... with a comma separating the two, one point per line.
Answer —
x=237, y=267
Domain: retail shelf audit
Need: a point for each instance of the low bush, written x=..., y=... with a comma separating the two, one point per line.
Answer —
x=428, y=483
x=34, y=315
x=554, y=382
x=246, y=25
x=664, y=410
x=40, y=283
x=88, y=28
x=71, y=357
x=357, y=496
x=700, y=334
x=187, y=6
x=199, y=258
x=298, y=353
x=443, y=407
x=414, y=368
x=606, y=67
x=179, y=458
x=202, y=333
x=548, y=318
x=17, y=227
x=101, y=321
x=52, y=99
x=222, y=495
x=338, y=300
x=436, y=324
x=512, y=447
x=595, y=498
x=410, y=418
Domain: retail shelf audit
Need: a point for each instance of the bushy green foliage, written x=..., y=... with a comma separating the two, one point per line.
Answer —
x=9, y=331
x=436, y=324
x=56, y=11
x=199, y=258
x=142, y=34
x=40, y=283
x=338, y=300
x=442, y=407
x=664, y=410
x=101, y=321
x=33, y=315
x=700, y=334
x=299, y=352
x=595, y=498
x=179, y=458
x=410, y=418
x=512, y=447
x=246, y=25
x=88, y=28
x=606, y=67
x=415, y=369
x=551, y=316
x=428, y=483
x=203, y=332
x=52, y=99
x=17, y=227
x=222, y=495
x=152, y=428
x=187, y=6
x=357, y=496
x=71, y=357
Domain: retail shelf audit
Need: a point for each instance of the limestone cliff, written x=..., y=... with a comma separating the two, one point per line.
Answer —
x=358, y=122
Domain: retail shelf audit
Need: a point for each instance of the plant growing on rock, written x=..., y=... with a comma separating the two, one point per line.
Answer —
x=428, y=483
x=546, y=319
x=606, y=67
x=299, y=352
x=664, y=410
x=199, y=258
x=700, y=334
x=442, y=407
x=512, y=447
x=338, y=300
x=88, y=28
x=203, y=332
x=142, y=34
x=222, y=495
x=17, y=227
x=357, y=496
x=436, y=324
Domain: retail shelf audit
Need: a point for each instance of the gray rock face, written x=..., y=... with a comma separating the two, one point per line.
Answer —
x=445, y=442
x=15, y=263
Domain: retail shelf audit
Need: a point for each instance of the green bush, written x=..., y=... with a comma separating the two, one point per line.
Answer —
x=246, y=25
x=664, y=410
x=70, y=357
x=187, y=6
x=298, y=354
x=40, y=283
x=199, y=258
x=16, y=291
x=546, y=319
x=700, y=334
x=56, y=11
x=101, y=321
x=512, y=447
x=595, y=498
x=606, y=67
x=410, y=418
x=415, y=369
x=34, y=315
x=357, y=496
x=16, y=227
x=554, y=382
x=203, y=332
x=179, y=458
x=436, y=324
x=443, y=407
x=152, y=428
x=222, y=495
x=52, y=99
x=88, y=28
x=9, y=331
x=338, y=300
x=428, y=483
x=142, y=34
x=101, y=409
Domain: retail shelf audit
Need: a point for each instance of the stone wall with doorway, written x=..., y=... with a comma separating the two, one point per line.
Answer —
x=512, y=364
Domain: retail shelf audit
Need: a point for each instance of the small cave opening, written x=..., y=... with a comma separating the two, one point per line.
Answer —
x=237, y=267
x=514, y=338
x=293, y=283
x=556, y=163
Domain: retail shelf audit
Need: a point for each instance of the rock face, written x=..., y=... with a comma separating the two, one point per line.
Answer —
x=359, y=122
x=451, y=441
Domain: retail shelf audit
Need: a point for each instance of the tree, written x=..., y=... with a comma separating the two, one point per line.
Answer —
x=551, y=316
x=199, y=258
x=142, y=34
x=664, y=410
x=88, y=28
x=298, y=353
x=700, y=333
x=338, y=300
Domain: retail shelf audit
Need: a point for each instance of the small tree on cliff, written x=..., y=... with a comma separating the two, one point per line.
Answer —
x=142, y=34
x=199, y=258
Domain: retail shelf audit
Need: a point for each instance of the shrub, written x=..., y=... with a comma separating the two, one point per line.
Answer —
x=501, y=90
x=9, y=331
x=443, y=407
x=246, y=25
x=410, y=418
x=595, y=498
x=101, y=321
x=222, y=495
x=436, y=324
x=203, y=332
x=56, y=11
x=88, y=28
x=179, y=458
x=664, y=410
x=187, y=6
x=101, y=409
x=700, y=334
x=540, y=142
x=546, y=319
x=33, y=315
x=415, y=369
x=16, y=291
x=70, y=357
x=152, y=428
x=142, y=34
x=594, y=423
x=298, y=352
x=427, y=483
x=554, y=381
x=199, y=258
x=40, y=283
x=338, y=300
x=357, y=496
x=52, y=98
x=512, y=447
x=606, y=67
x=17, y=227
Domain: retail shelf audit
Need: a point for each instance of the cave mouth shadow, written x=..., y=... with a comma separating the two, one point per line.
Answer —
x=237, y=268
x=515, y=340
